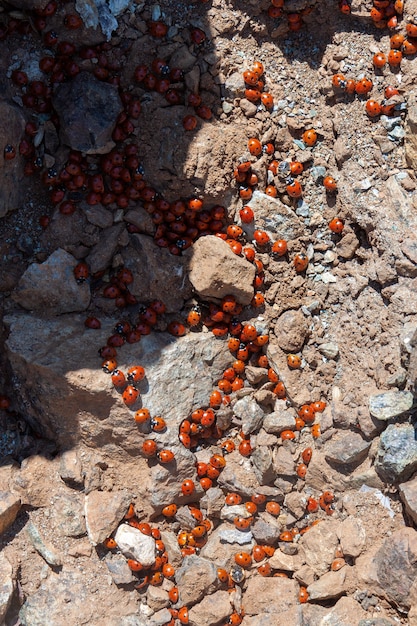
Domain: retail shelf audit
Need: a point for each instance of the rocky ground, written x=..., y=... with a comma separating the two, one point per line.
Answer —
x=293, y=522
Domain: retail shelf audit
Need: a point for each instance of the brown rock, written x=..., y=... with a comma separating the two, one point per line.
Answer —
x=212, y=611
x=330, y=585
x=157, y=598
x=37, y=482
x=352, y=536
x=215, y=271
x=319, y=545
x=6, y=587
x=396, y=566
x=12, y=124
x=103, y=512
x=157, y=273
x=291, y=330
x=410, y=140
x=101, y=255
x=51, y=288
x=9, y=508
x=88, y=110
x=347, y=246
x=408, y=495
x=270, y=595
x=196, y=578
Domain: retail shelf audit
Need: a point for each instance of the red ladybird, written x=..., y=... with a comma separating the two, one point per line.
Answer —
x=81, y=272
x=135, y=374
x=130, y=395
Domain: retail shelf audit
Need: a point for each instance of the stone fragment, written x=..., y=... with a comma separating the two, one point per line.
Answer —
x=72, y=589
x=347, y=449
x=385, y=406
x=97, y=214
x=51, y=288
x=37, y=481
x=270, y=595
x=283, y=462
x=277, y=216
x=103, y=512
x=119, y=570
x=291, y=330
x=319, y=545
x=347, y=612
x=159, y=618
x=329, y=350
x=238, y=475
x=68, y=512
x=70, y=468
x=266, y=529
x=9, y=508
x=100, y=257
x=352, y=536
x=135, y=545
x=213, y=610
x=287, y=562
x=12, y=124
x=251, y=414
x=330, y=585
x=278, y=421
x=171, y=546
x=87, y=109
x=220, y=551
x=212, y=502
x=256, y=375
x=347, y=246
x=229, y=512
x=80, y=549
x=234, y=535
x=262, y=464
x=396, y=566
x=295, y=502
x=157, y=274
x=408, y=495
x=45, y=549
x=157, y=598
x=6, y=586
x=182, y=58
x=342, y=151
x=215, y=271
x=410, y=139
x=396, y=458
x=196, y=578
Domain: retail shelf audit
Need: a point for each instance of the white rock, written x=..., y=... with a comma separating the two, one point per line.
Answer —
x=135, y=545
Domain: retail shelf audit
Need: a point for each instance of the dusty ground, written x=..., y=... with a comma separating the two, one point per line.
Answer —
x=358, y=294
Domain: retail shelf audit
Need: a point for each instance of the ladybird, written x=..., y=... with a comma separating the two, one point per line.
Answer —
x=350, y=86
x=258, y=300
x=183, y=615
x=271, y=191
x=395, y=57
x=222, y=575
x=168, y=570
x=142, y=416
x=118, y=378
x=319, y=406
x=306, y=455
x=273, y=508
x=409, y=47
x=287, y=435
x=187, y=487
x=261, y=237
x=312, y=505
x=245, y=448
x=296, y=168
x=373, y=108
x=267, y=100
x=379, y=59
x=286, y=536
x=218, y=461
x=300, y=262
x=338, y=81
x=301, y=470
x=264, y=569
x=255, y=147
x=109, y=366
x=279, y=247
x=130, y=395
x=279, y=390
x=234, y=231
x=309, y=137
x=258, y=498
x=363, y=86
x=299, y=423
x=173, y=595
x=258, y=553
x=9, y=152
x=166, y=456
x=243, y=559
x=307, y=413
x=81, y=272
x=315, y=431
x=411, y=29
x=329, y=183
x=303, y=595
x=176, y=329
x=135, y=374
x=134, y=565
x=158, y=424
x=170, y=510
x=243, y=523
x=92, y=322
x=336, y=225
x=194, y=316
x=110, y=543
x=294, y=189
x=206, y=483
x=149, y=448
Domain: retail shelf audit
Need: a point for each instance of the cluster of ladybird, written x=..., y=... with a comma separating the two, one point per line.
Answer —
x=363, y=87
x=254, y=86
x=294, y=19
